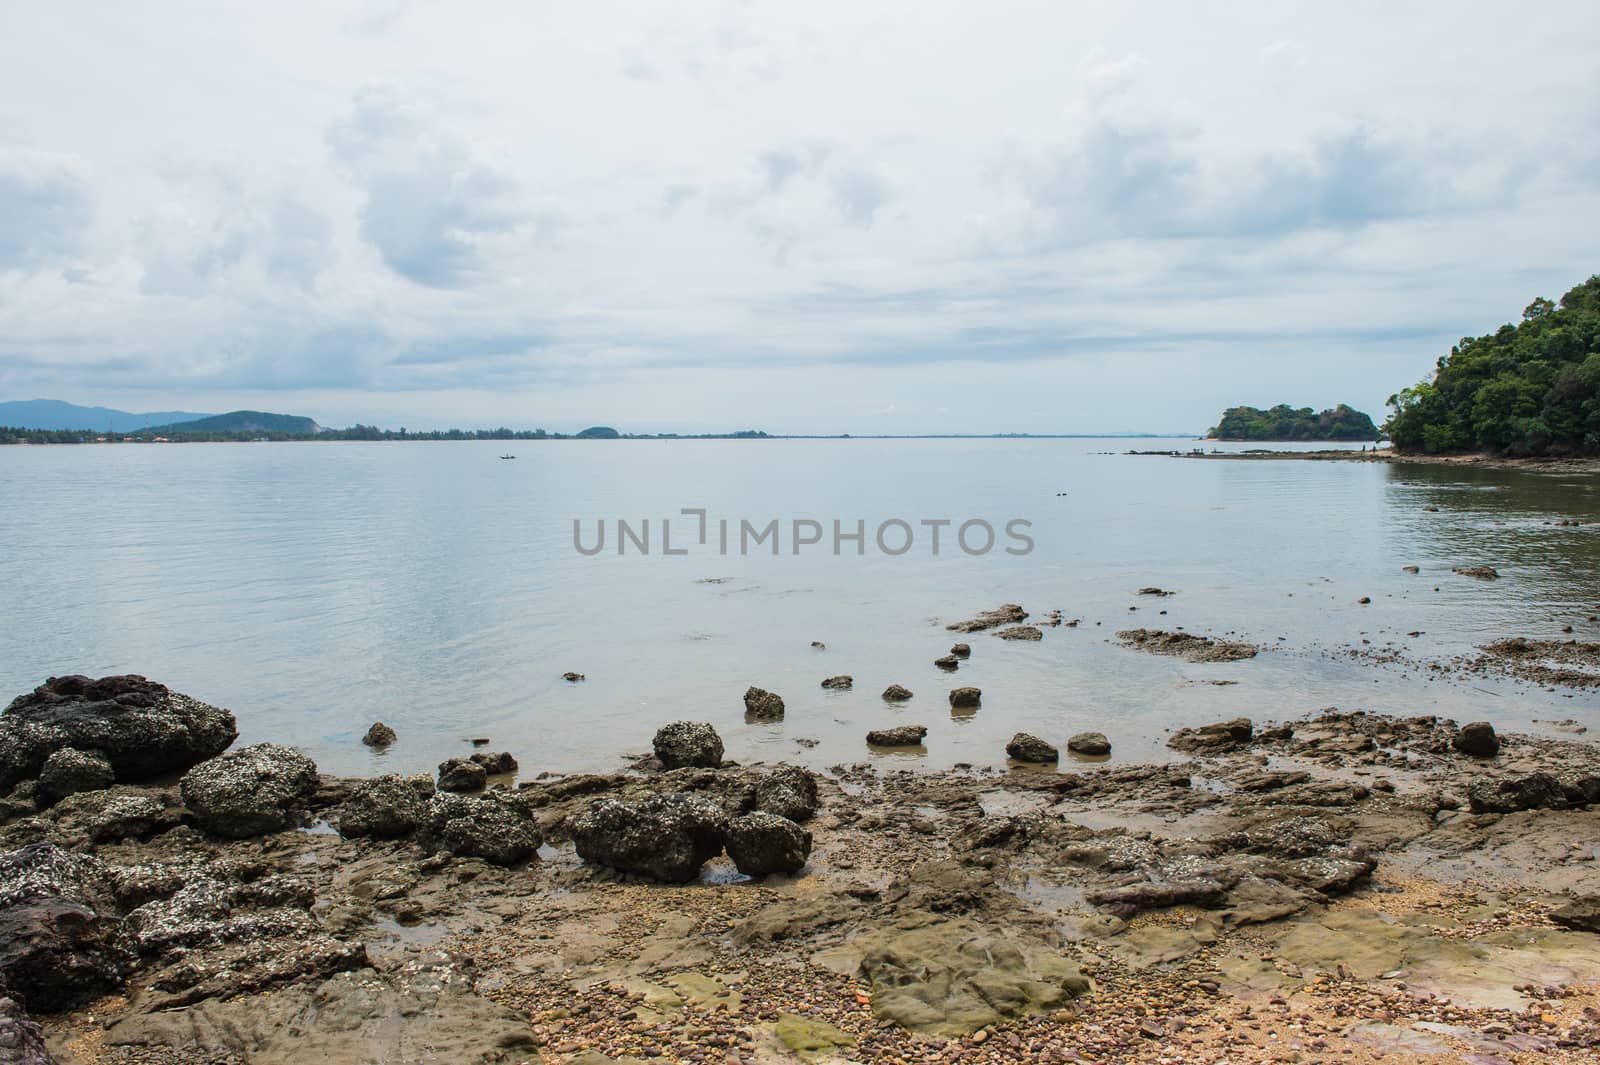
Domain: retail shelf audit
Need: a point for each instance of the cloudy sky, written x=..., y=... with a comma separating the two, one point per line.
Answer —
x=824, y=217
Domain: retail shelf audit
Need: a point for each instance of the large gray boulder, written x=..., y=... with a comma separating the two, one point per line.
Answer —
x=688, y=743
x=788, y=791
x=763, y=843
x=69, y=771
x=142, y=728
x=386, y=807
x=499, y=831
x=1027, y=748
x=58, y=927
x=762, y=705
x=252, y=791
x=665, y=837
x=462, y=774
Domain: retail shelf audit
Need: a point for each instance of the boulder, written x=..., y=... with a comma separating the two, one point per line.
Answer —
x=690, y=743
x=1581, y=914
x=839, y=683
x=1021, y=632
x=763, y=843
x=788, y=791
x=1026, y=748
x=1477, y=739
x=387, y=807
x=961, y=650
x=68, y=771
x=665, y=837
x=21, y=1041
x=462, y=774
x=497, y=830
x=964, y=697
x=1213, y=738
x=1529, y=791
x=58, y=927
x=1092, y=744
x=379, y=735
x=894, y=693
x=252, y=791
x=496, y=763
x=572, y=678
x=142, y=728
x=900, y=736
x=113, y=818
x=762, y=705
x=949, y=663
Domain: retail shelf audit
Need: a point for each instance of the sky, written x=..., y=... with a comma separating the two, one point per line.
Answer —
x=826, y=217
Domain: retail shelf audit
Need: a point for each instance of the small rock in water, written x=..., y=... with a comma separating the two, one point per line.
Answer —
x=1477, y=739
x=901, y=736
x=819, y=645
x=462, y=774
x=573, y=678
x=688, y=743
x=1483, y=573
x=961, y=650
x=894, y=693
x=497, y=764
x=379, y=735
x=1026, y=748
x=480, y=741
x=963, y=697
x=1364, y=600
x=1410, y=569
x=1093, y=744
x=839, y=683
x=949, y=663
x=1021, y=632
x=762, y=704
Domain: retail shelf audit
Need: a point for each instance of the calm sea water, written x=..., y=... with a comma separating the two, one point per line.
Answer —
x=314, y=588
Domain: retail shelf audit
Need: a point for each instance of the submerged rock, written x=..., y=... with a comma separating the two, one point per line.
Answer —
x=899, y=736
x=1477, y=739
x=1482, y=573
x=965, y=697
x=763, y=843
x=666, y=837
x=252, y=791
x=1026, y=748
x=497, y=830
x=1187, y=646
x=762, y=705
x=1021, y=632
x=949, y=663
x=1006, y=614
x=69, y=771
x=462, y=774
x=961, y=650
x=387, y=807
x=379, y=735
x=58, y=926
x=894, y=693
x=1092, y=744
x=839, y=683
x=142, y=728
x=689, y=743
x=788, y=791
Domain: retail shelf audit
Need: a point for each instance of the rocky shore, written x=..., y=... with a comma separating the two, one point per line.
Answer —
x=1337, y=886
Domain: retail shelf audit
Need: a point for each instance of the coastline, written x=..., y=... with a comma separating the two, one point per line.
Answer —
x=1582, y=464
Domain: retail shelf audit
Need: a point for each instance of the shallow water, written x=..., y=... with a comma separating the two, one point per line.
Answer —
x=313, y=588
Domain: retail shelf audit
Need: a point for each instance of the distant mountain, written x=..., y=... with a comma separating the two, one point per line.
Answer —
x=242, y=421
x=599, y=432
x=54, y=414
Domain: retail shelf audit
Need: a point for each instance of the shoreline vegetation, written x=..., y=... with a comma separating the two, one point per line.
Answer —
x=1536, y=464
x=1284, y=423
x=1332, y=886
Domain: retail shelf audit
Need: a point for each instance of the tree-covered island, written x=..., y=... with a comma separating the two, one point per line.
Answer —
x=1284, y=422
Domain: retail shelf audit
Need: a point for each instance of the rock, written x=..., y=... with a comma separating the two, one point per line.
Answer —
x=788, y=791
x=129, y=816
x=1529, y=791
x=1580, y=915
x=762, y=705
x=961, y=650
x=900, y=736
x=497, y=764
x=964, y=697
x=1153, y=590
x=1189, y=647
x=839, y=683
x=1482, y=573
x=948, y=663
x=1410, y=569
x=573, y=678
x=497, y=830
x=142, y=728
x=894, y=693
x=665, y=837
x=1365, y=600
x=1214, y=738
x=1129, y=899
x=57, y=927
x=1026, y=748
x=462, y=774
x=379, y=735
x=68, y=771
x=763, y=843
x=1021, y=632
x=1008, y=614
x=1092, y=744
x=21, y=1041
x=819, y=645
x=810, y=1037
x=252, y=791
x=1477, y=739
x=691, y=743
x=387, y=807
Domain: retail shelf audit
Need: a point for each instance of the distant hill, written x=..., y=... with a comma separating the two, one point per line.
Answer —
x=599, y=432
x=1284, y=422
x=242, y=421
x=55, y=414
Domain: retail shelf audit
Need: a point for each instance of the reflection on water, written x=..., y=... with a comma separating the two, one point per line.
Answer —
x=315, y=588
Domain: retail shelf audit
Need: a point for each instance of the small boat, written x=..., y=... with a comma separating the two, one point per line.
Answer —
x=508, y=456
